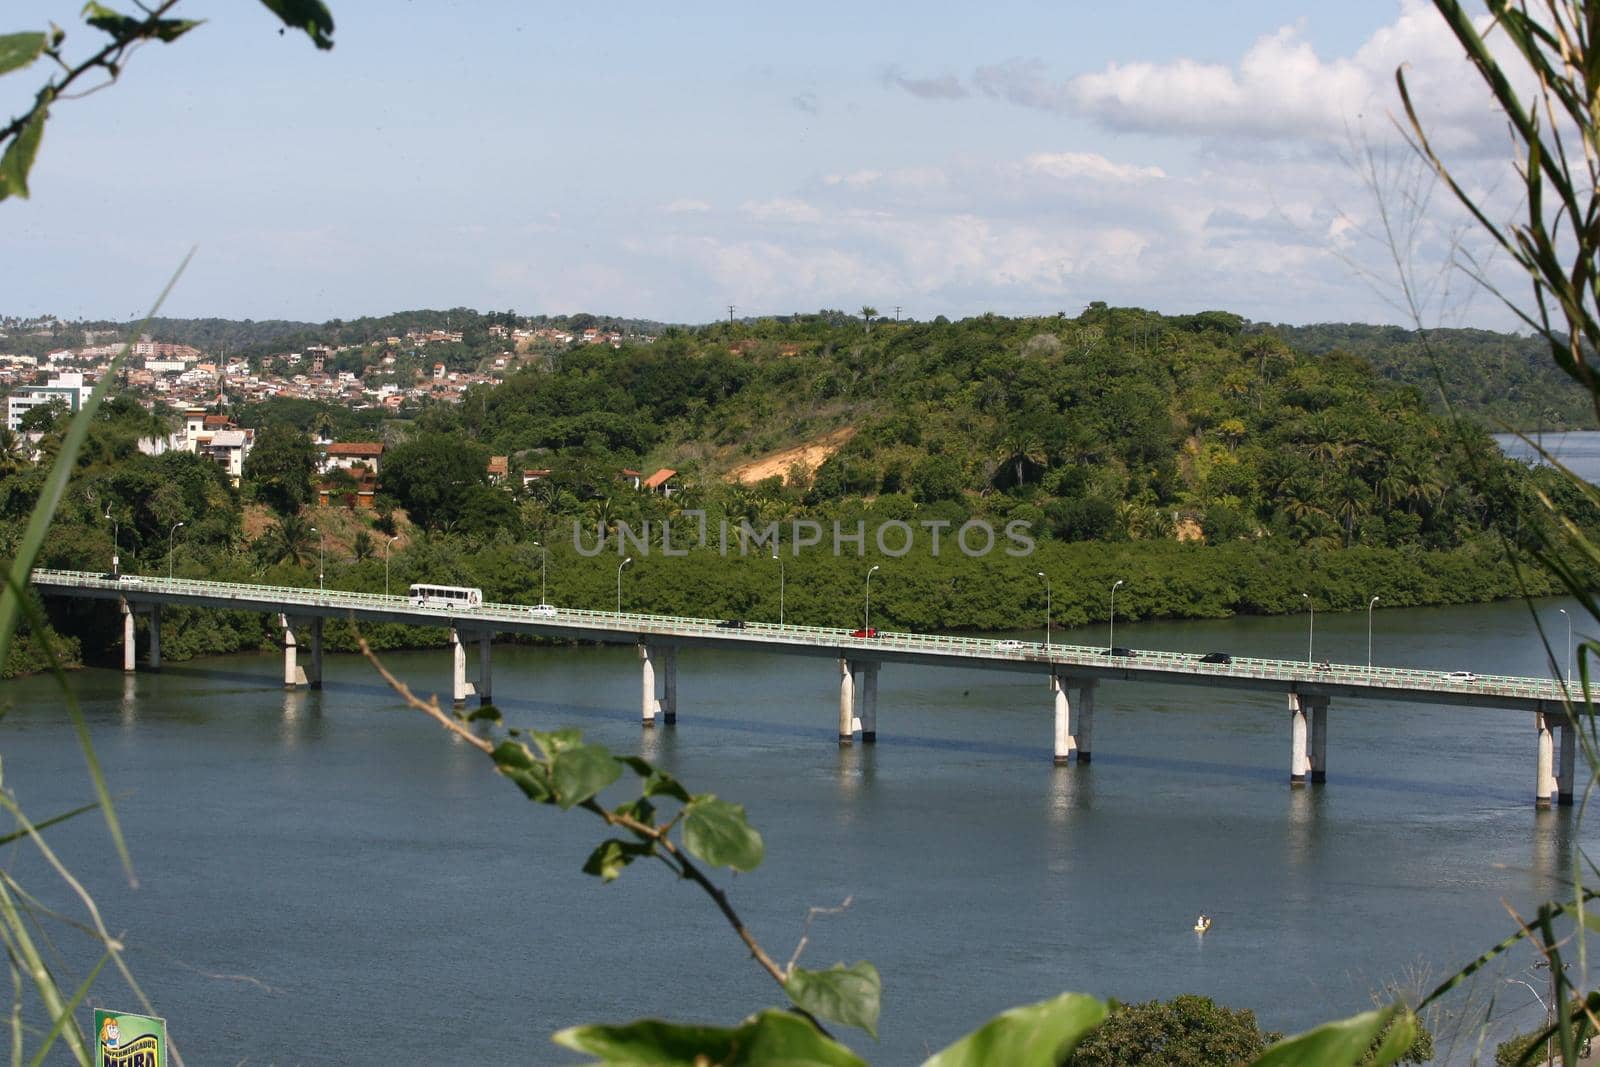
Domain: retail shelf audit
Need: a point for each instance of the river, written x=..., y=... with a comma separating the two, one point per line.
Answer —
x=327, y=877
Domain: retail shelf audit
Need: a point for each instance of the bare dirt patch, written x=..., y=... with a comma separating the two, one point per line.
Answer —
x=812, y=454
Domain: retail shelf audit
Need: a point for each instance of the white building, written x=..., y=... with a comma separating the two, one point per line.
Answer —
x=66, y=387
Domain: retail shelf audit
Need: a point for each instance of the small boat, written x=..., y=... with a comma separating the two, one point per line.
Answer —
x=1202, y=924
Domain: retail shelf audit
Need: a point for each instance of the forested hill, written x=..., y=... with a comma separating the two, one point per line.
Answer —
x=1498, y=380
x=1118, y=424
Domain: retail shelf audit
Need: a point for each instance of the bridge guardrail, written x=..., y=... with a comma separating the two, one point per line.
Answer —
x=1144, y=661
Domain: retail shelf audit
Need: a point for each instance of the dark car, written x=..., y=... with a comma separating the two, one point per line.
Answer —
x=731, y=624
x=866, y=631
x=1118, y=650
x=1216, y=657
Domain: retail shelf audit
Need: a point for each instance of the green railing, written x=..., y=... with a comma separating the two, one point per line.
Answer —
x=1147, y=663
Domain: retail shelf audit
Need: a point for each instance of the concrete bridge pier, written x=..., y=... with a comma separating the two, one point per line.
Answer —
x=460, y=688
x=485, y=667
x=1319, y=738
x=1083, y=737
x=669, y=690
x=1065, y=743
x=847, y=702
x=868, y=686
x=155, y=637
x=1566, y=765
x=314, y=676
x=1544, y=775
x=293, y=674
x=649, y=703
x=1299, y=764
x=129, y=652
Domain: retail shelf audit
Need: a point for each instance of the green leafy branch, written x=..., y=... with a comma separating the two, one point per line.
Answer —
x=561, y=769
x=20, y=138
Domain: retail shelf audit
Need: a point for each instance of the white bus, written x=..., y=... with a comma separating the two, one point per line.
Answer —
x=424, y=596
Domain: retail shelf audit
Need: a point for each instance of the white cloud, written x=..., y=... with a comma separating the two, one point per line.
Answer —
x=1091, y=166
x=783, y=209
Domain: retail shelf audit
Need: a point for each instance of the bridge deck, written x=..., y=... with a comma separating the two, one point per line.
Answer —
x=1076, y=661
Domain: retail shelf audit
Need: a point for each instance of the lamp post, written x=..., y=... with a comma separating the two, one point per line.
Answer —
x=319, y=557
x=1569, y=644
x=1111, y=637
x=170, y=535
x=868, y=626
x=621, y=565
x=779, y=560
x=544, y=558
x=1046, y=578
x=116, y=544
x=1371, y=602
x=386, y=546
x=1311, y=630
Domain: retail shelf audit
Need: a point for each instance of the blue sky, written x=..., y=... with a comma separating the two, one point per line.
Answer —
x=1016, y=157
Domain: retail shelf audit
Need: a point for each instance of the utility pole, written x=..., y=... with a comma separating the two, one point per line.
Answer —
x=730, y=314
x=897, y=313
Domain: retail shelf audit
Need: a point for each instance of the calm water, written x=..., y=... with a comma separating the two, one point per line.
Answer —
x=326, y=875
x=1577, y=450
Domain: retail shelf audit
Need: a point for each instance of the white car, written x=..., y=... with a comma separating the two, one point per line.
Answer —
x=1462, y=676
x=1008, y=646
x=544, y=611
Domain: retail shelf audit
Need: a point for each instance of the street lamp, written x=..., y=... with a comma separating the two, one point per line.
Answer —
x=116, y=544
x=1111, y=638
x=386, y=546
x=621, y=565
x=1311, y=630
x=1371, y=602
x=1569, y=644
x=170, y=534
x=779, y=560
x=868, y=626
x=319, y=557
x=544, y=558
x=1046, y=578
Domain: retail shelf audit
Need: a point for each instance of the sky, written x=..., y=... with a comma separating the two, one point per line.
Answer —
x=664, y=161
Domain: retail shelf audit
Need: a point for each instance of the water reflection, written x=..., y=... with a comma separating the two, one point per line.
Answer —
x=1071, y=790
x=302, y=717
x=1551, y=845
x=856, y=767
x=1304, y=826
x=128, y=706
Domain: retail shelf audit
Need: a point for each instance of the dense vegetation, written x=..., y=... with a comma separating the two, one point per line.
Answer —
x=1214, y=470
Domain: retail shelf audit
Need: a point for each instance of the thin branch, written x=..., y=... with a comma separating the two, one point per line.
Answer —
x=108, y=57
x=805, y=932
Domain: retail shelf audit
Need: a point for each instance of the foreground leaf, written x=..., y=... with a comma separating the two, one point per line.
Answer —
x=717, y=832
x=770, y=1037
x=579, y=773
x=609, y=858
x=20, y=153
x=1343, y=1042
x=848, y=995
x=17, y=50
x=516, y=762
x=312, y=16
x=1035, y=1035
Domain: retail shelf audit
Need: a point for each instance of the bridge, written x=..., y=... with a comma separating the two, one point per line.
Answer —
x=1072, y=671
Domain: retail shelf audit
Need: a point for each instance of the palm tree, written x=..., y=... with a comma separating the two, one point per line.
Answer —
x=868, y=313
x=361, y=545
x=293, y=542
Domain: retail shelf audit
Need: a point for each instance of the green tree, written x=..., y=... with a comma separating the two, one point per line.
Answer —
x=1187, y=1031
x=433, y=475
x=279, y=468
x=868, y=313
x=43, y=419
